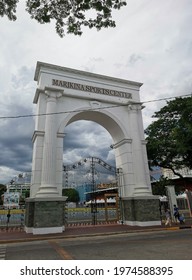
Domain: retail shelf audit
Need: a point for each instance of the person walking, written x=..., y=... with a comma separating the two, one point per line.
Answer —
x=177, y=215
x=176, y=212
x=168, y=217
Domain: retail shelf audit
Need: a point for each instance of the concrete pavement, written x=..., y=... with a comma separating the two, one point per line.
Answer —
x=12, y=235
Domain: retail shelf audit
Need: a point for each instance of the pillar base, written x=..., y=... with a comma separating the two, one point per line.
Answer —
x=45, y=215
x=141, y=211
x=47, y=191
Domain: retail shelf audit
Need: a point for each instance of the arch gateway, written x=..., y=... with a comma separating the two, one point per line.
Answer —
x=64, y=96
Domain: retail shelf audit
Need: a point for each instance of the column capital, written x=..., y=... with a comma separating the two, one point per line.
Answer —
x=48, y=90
x=61, y=135
x=36, y=134
x=122, y=142
x=134, y=107
x=53, y=93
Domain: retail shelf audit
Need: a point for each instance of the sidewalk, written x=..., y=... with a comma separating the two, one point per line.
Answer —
x=12, y=236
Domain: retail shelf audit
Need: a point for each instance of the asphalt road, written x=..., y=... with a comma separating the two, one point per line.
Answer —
x=163, y=245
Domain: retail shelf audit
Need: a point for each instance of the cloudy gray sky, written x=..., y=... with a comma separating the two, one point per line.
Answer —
x=152, y=44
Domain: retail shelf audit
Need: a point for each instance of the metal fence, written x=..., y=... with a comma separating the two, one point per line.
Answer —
x=12, y=218
x=87, y=216
x=73, y=216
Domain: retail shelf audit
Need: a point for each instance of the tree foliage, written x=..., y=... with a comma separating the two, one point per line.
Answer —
x=72, y=194
x=69, y=15
x=3, y=189
x=159, y=187
x=170, y=136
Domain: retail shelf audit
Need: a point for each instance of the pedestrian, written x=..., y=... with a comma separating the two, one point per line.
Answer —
x=168, y=217
x=176, y=213
x=8, y=216
x=182, y=219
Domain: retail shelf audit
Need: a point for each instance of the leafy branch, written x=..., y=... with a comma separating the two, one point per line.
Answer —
x=69, y=15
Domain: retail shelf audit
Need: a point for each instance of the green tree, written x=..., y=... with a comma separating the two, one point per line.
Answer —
x=67, y=14
x=27, y=194
x=2, y=191
x=159, y=187
x=169, y=138
x=72, y=194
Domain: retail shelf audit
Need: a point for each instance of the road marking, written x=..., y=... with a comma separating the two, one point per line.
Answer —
x=64, y=254
x=2, y=252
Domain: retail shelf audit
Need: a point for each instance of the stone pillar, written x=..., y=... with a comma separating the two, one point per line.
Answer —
x=141, y=211
x=37, y=139
x=45, y=210
x=124, y=162
x=48, y=186
x=142, y=186
x=139, y=206
x=171, y=195
x=45, y=215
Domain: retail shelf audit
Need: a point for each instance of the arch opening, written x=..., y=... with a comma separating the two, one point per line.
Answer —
x=105, y=119
x=84, y=138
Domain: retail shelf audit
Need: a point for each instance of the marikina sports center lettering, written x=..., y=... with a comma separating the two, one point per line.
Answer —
x=88, y=88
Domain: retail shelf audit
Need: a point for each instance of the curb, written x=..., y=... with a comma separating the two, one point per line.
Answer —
x=179, y=227
x=185, y=227
x=49, y=237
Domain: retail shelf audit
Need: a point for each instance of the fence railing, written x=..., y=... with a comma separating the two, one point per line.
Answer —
x=12, y=218
x=73, y=216
x=86, y=216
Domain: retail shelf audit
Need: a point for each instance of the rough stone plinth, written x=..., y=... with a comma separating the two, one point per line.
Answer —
x=141, y=211
x=45, y=215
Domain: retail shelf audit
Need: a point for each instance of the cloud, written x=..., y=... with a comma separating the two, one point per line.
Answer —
x=134, y=58
x=16, y=131
x=86, y=139
x=151, y=43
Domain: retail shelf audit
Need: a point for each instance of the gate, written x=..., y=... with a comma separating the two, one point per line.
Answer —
x=97, y=211
x=86, y=216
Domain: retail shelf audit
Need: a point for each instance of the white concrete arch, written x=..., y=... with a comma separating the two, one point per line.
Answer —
x=66, y=95
x=103, y=118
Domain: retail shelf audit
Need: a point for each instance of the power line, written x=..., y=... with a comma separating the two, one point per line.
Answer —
x=91, y=109
x=166, y=98
x=63, y=112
